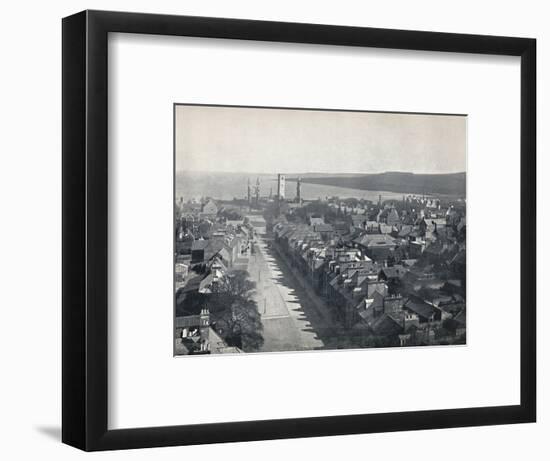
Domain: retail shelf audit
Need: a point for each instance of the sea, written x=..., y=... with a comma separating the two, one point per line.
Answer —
x=227, y=186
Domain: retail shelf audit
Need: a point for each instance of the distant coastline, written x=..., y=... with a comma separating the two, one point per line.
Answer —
x=398, y=182
x=227, y=186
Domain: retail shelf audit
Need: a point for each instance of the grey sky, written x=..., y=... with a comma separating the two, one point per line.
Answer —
x=253, y=140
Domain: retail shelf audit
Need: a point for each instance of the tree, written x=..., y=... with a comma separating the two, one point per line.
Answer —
x=235, y=312
x=189, y=303
x=449, y=325
x=204, y=228
x=240, y=325
x=237, y=283
x=231, y=214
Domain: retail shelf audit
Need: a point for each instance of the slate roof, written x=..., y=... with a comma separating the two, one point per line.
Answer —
x=379, y=287
x=322, y=228
x=377, y=299
x=415, y=232
x=461, y=317
x=419, y=307
x=374, y=240
x=386, y=228
x=396, y=271
x=206, y=281
x=409, y=262
x=213, y=248
x=192, y=284
x=386, y=325
x=188, y=321
x=405, y=231
x=435, y=248
x=318, y=263
x=334, y=282
x=459, y=258
x=224, y=253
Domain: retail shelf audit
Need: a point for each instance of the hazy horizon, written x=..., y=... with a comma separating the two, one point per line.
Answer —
x=325, y=173
x=225, y=139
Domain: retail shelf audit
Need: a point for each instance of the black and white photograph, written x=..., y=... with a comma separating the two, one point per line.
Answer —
x=312, y=229
x=288, y=230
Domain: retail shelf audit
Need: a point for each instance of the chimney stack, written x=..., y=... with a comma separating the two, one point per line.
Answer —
x=204, y=323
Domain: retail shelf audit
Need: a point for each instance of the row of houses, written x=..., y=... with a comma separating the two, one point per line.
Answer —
x=383, y=218
x=368, y=292
x=195, y=335
x=200, y=264
x=227, y=242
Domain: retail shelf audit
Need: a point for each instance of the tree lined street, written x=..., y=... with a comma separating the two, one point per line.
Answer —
x=288, y=315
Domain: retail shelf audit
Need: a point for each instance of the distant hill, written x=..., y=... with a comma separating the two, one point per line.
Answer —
x=407, y=183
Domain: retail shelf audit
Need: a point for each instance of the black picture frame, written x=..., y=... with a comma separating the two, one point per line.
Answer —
x=85, y=224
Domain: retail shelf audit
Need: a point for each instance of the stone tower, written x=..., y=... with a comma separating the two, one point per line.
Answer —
x=299, y=190
x=281, y=186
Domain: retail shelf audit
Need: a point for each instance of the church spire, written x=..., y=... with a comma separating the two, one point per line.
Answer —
x=257, y=190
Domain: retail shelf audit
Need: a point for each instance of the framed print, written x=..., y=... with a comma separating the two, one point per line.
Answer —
x=278, y=230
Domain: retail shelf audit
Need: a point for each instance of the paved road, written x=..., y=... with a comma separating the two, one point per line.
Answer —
x=289, y=316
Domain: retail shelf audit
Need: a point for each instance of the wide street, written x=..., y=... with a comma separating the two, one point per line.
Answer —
x=290, y=318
